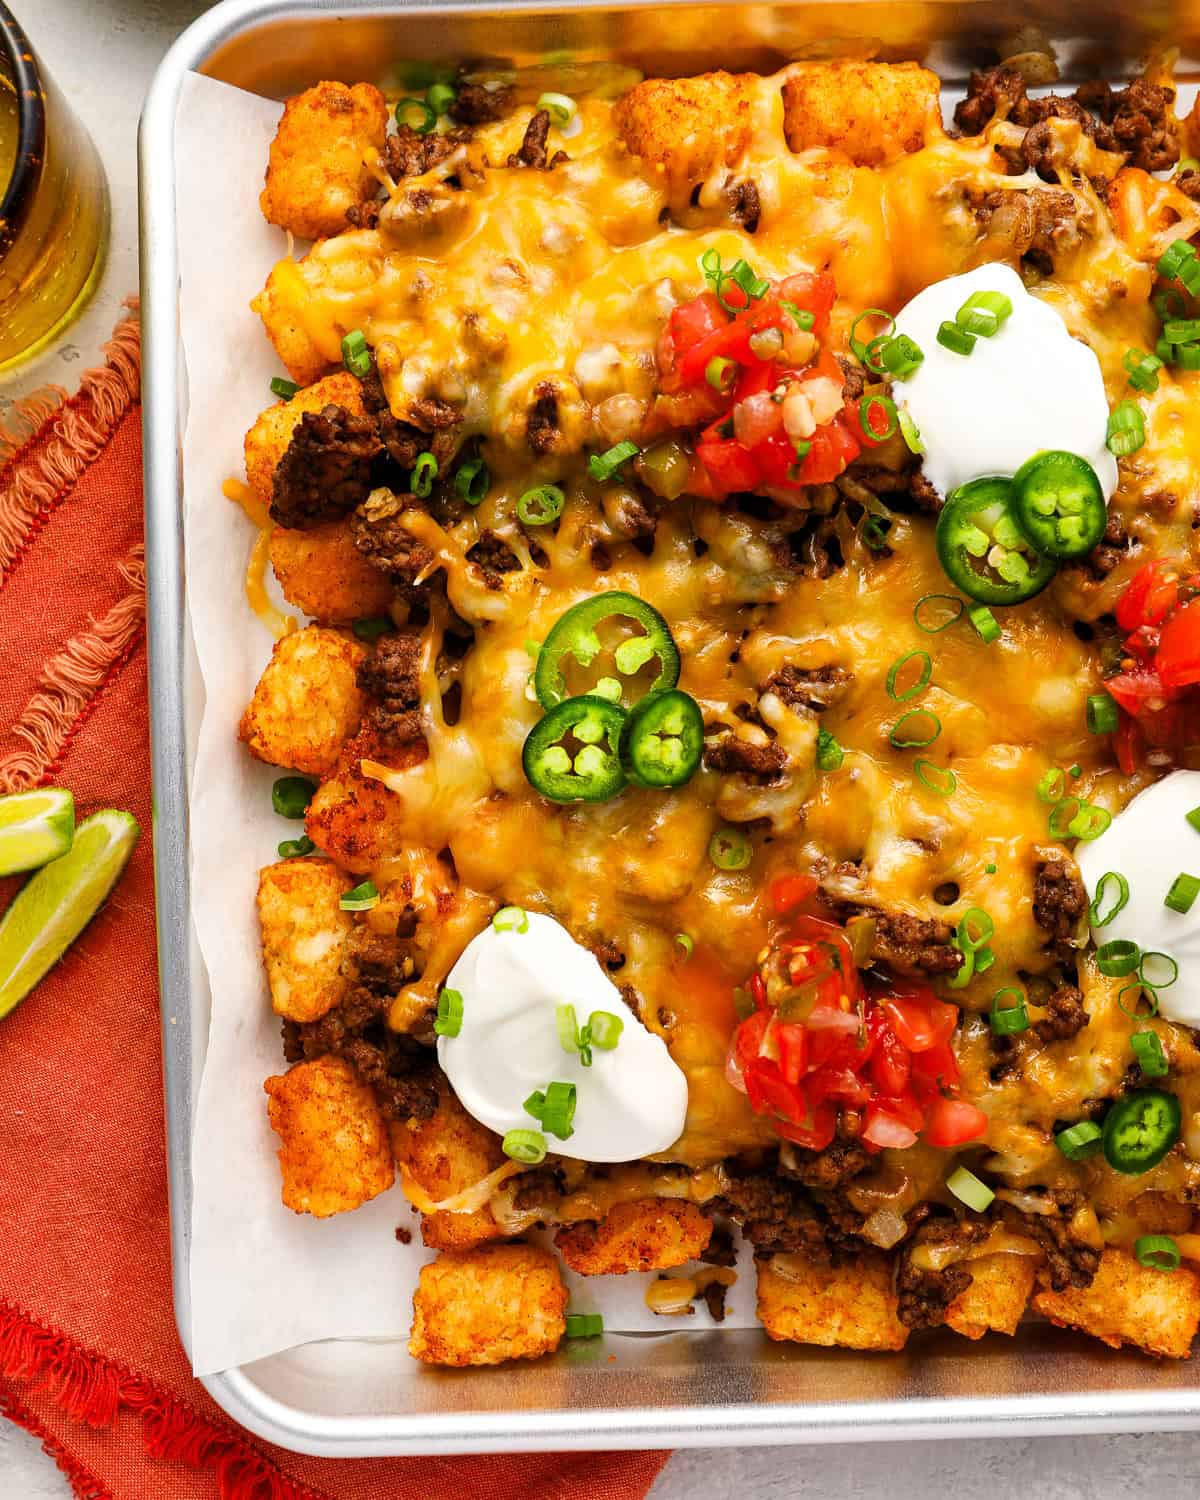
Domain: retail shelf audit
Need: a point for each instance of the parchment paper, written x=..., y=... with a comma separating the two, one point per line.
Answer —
x=263, y=1278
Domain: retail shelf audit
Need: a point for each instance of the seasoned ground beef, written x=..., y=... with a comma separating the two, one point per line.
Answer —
x=1069, y=1263
x=1037, y=225
x=925, y=1295
x=734, y=757
x=927, y=498
x=532, y=152
x=838, y=1164
x=745, y=206
x=1108, y=553
x=714, y=1299
x=391, y=676
x=541, y=428
x=809, y=687
x=1059, y=896
x=1065, y=1015
x=720, y=1250
x=990, y=92
x=407, y=154
x=610, y=954
x=325, y=470
x=406, y=441
x=492, y=555
x=919, y=946
x=630, y=513
x=855, y=382
x=774, y=1214
x=475, y=105
x=380, y=535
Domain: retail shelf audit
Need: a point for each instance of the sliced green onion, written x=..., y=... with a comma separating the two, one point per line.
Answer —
x=560, y=107
x=901, y=356
x=935, y=778
x=989, y=869
x=584, y=1325
x=922, y=681
x=528, y=1146
x=1139, y=991
x=602, y=466
x=1183, y=893
x=730, y=849
x=355, y=355
x=1158, y=1252
x=558, y=1110
x=911, y=433
x=1080, y=1141
x=1168, y=304
x=937, y=599
x=914, y=730
x=1194, y=818
x=1007, y=1019
x=1118, y=957
x=1099, y=917
x=1142, y=369
x=291, y=795
x=956, y=339
x=449, y=1013
x=1187, y=357
x=888, y=407
x=1052, y=785
x=362, y=898
x=985, y=623
x=416, y=114
x=1089, y=822
x=511, y=919
x=541, y=505
x=568, y=1027
x=605, y=1029
x=1182, y=330
x=686, y=944
x=296, y=848
x=1189, y=274
x=983, y=313
x=976, y=918
x=423, y=474
x=473, y=480
x=830, y=754
x=802, y=318
x=1169, y=966
x=1149, y=1053
x=857, y=347
x=1075, y=770
x=752, y=287
x=284, y=389
x=1062, y=815
x=440, y=96
x=1102, y=716
x=721, y=373
x=874, y=532
x=1173, y=258
x=371, y=629
x=969, y=1190
x=1164, y=351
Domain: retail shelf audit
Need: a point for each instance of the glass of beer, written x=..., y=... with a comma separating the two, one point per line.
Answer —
x=54, y=210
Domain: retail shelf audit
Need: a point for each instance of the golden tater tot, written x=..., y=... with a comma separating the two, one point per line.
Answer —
x=652, y=1234
x=481, y=1307
x=304, y=935
x=323, y=574
x=1129, y=1303
x=445, y=1155
x=687, y=127
x=872, y=111
x=316, y=172
x=997, y=1297
x=853, y=1306
x=307, y=702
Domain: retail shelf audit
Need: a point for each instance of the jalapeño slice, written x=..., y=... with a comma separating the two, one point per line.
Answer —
x=573, y=754
x=1140, y=1129
x=984, y=551
x=1058, y=503
x=574, y=634
x=663, y=740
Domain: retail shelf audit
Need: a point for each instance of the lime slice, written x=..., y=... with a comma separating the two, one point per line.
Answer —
x=35, y=827
x=54, y=906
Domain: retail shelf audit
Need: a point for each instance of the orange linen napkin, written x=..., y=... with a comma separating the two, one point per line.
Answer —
x=89, y=1357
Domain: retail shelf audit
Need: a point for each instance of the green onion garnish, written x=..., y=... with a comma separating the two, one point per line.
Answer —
x=830, y=754
x=1139, y=991
x=423, y=474
x=901, y=356
x=1187, y=356
x=560, y=107
x=605, y=1029
x=721, y=374
x=362, y=898
x=971, y=937
x=1181, y=330
x=1148, y=1050
x=857, y=347
x=1102, y=716
x=440, y=96
x=1142, y=369
x=528, y=1146
x=355, y=355
x=602, y=466
x=1051, y=786
x=922, y=607
x=1173, y=258
x=1194, y=818
x=935, y=778
x=1099, y=917
x=885, y=405
x=1170, y=970
x=922, y=680
x=956, y=339
x=969, y=1190
x=284, y=389
x=802, y=318
x=1089, y=822
x=911, y=433
x=730, y=849
x=541, y=505
x=1183, y=893
x=985, y=623
x=291, y=795
x=983, y=313
x=914, y=730
x=584, y=1325
x=1080, y=1141
x=989, y=869
x=555, y=1109
x=296, y=848
x=1075, y=770
x=371, y=629
x=473, y=480
x=568, y=1027
x=449, y=1013
x=874, y=532
x=1008, y=1018
x=416, y=114
x=751, y=286
x=686, y=944
x=511, y=919
x=1159, y=1252
x=1118, y=957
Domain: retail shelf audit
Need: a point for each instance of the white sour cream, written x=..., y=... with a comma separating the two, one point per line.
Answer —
x=630, y=1103
x=1150, y=843
x=1030, y=386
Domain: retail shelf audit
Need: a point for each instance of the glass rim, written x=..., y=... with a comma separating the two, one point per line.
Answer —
x=18, y=57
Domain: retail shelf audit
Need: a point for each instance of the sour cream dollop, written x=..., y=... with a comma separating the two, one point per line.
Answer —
x=1150, y=843
x=630, y=1103
x=1028, y=387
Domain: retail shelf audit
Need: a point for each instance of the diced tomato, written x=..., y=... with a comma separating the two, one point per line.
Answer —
x=1178, y=658
x=954, y=1122
x=748, y=1039
x=815, y=1133
x=934, y=1072
x=793, y=1051
x=1150, y=596
x=771, y=1094
x=890, y=1064
x=1129, y=745
x=731, y=341
x=730, y=466
x=840, y=1083
x=833, y=448
x=919, y=1019
x=884, y=1125
x=1138, y=690
x=791, y=891
x=810, y=292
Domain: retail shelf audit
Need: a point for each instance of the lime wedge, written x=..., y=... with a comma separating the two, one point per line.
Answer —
x=35, y=827
x=54, y=906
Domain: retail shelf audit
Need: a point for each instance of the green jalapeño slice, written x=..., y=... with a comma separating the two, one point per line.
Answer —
x=575, y=634
x=663, y=740
x=1058, y=504
x=983, y=550
x=573, y=754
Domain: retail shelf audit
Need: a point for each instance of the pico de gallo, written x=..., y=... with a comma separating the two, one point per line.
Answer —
x=820, y=1047
x=1157, y=716
x=744, y=362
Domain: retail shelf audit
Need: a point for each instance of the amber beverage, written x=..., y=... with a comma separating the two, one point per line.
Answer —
x=54, y=210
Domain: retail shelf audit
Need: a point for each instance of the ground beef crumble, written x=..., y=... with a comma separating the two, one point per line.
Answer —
x=745, y=206
x=920, y=946
x=777, y=1214
x=1069, y=1262
x=736, y=757
x=838, y=1164
x=492, y=555
x=809, y=687
x=473, y=104
x=325, y=470
x=925, y=1295
x=1065, y=1015
x=532, y=152
x=391, y=677
x=1059, y=897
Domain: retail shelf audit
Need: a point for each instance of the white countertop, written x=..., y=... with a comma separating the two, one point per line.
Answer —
x=106, y=80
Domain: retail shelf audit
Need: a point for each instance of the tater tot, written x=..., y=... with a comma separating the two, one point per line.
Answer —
x=316, y=171
x=481, y=1307
x=307, y=702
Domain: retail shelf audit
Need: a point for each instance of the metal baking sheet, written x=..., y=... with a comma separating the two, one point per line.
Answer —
x=366, y=1397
